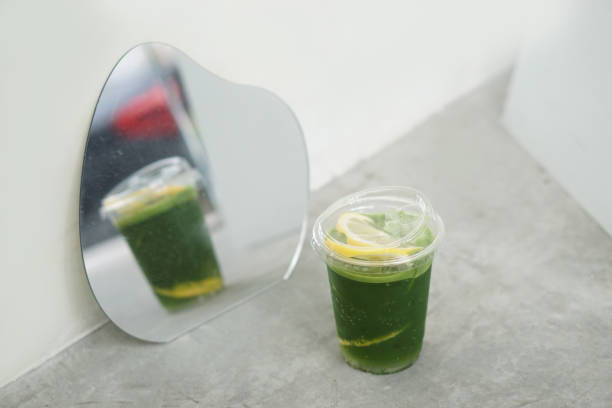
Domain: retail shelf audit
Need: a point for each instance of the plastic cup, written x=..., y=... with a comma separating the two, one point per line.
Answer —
x=158, y=212
x=380, y=303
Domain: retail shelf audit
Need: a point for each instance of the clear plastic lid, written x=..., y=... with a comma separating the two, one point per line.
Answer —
x=149, y=185
x=391, y=226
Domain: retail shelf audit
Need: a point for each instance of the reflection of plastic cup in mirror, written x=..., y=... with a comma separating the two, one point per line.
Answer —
x=158, y=212
x=379, y=245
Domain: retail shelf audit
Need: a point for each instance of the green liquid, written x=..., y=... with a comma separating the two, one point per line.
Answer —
x=380, y=324
x=171, y=244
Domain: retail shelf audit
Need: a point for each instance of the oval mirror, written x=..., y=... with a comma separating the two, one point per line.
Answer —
x=193, y=193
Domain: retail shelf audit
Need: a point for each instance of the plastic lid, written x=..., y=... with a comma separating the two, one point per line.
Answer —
x=386, y=203
x=148, y=184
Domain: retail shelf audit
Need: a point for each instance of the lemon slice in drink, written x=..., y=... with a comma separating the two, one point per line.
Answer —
x=361, y=231
x=365, y=240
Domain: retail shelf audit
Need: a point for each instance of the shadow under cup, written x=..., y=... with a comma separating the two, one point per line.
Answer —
x=380, y=305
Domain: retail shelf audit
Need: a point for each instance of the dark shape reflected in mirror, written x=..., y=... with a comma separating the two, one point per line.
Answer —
x=193, y=193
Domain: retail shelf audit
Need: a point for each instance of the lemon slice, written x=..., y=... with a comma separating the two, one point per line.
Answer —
x=364, y=240
x=361, y=231
x=369, y=253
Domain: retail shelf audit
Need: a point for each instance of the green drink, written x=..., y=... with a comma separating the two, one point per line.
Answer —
x=157, y=210
x=378, y=246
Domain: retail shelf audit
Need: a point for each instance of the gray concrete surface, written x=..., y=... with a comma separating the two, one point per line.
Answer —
x=520, y=310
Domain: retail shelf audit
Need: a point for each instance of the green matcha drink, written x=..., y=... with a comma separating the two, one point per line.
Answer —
x=378, y=246
x=158, y=212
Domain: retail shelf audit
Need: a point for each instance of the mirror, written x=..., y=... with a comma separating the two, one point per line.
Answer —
x=193, y=195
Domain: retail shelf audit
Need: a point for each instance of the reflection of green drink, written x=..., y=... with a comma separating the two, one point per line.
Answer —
x=379, y=267
x=172, y=246
x=164, y=227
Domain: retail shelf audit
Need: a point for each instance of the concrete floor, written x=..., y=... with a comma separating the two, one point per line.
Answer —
x=520, y=309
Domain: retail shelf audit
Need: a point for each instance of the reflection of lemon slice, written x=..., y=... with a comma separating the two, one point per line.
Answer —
x=140, y=198
x=191, y=289
x=365, y=240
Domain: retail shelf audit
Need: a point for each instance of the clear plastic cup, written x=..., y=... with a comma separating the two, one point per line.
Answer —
x=158, y=212
x=380, y=290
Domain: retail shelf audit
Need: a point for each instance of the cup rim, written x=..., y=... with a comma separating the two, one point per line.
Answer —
x=146, y=178
x=319, y=235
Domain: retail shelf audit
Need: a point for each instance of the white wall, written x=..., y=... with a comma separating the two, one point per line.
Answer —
x=357, y=76
x=560, y=100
